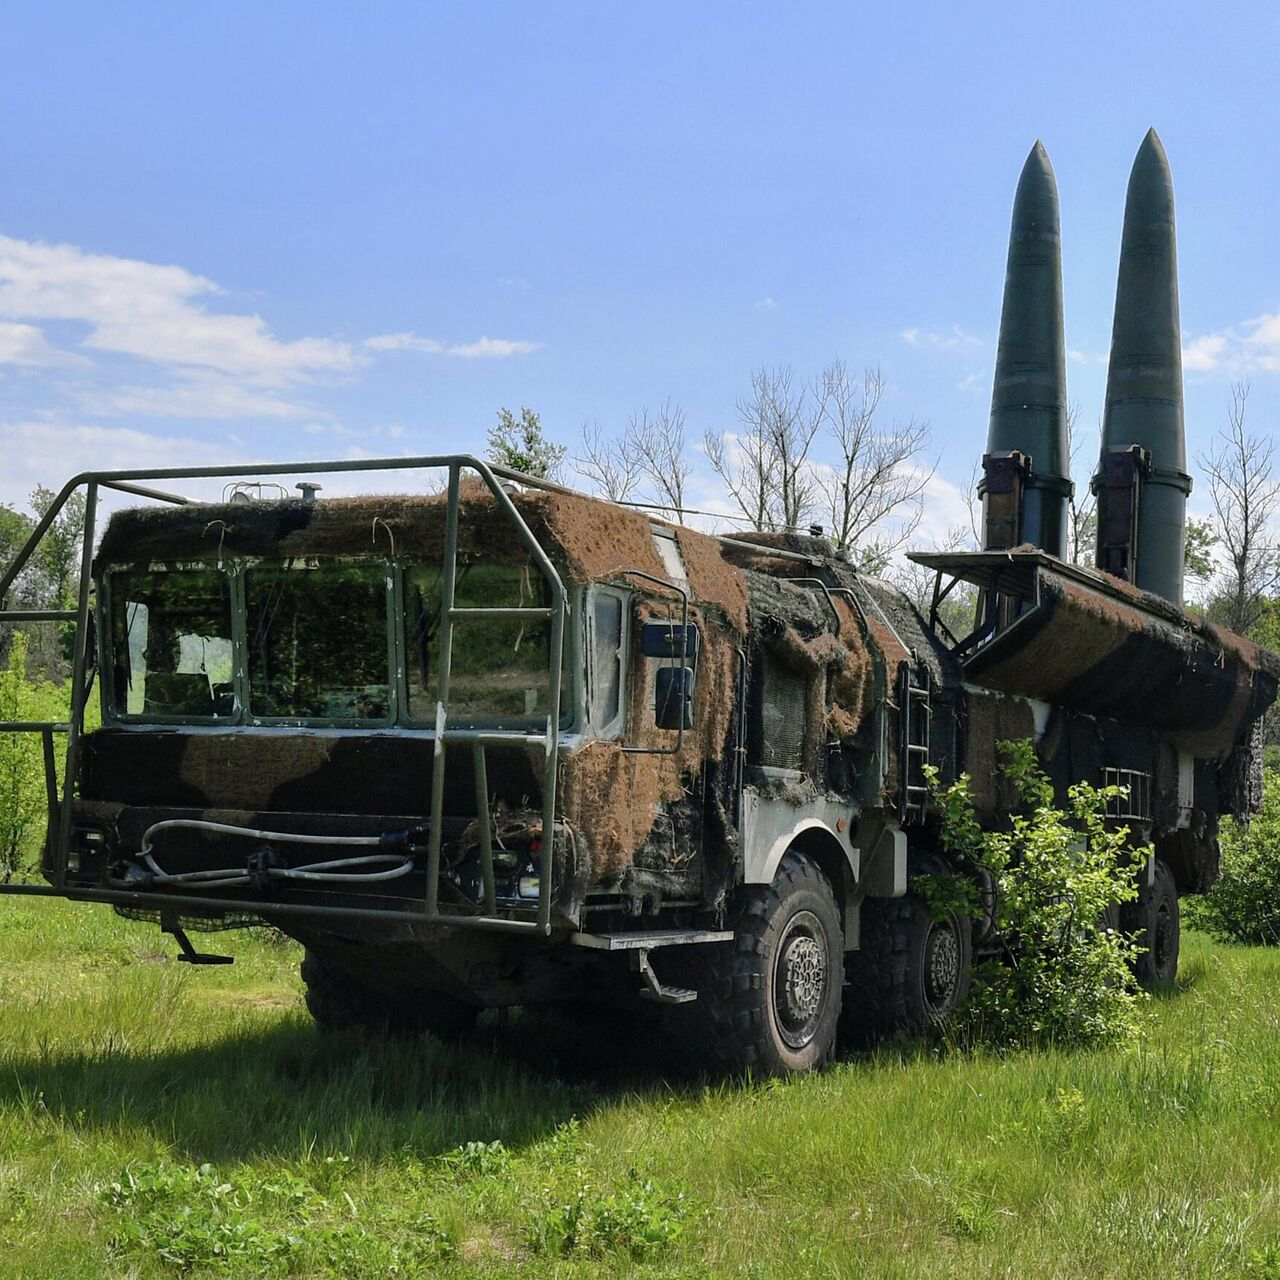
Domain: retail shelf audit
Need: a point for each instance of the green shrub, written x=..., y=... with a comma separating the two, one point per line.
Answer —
x=640, y=1220
x=1244, y=906
x=265, y=1223
x=1064, y=973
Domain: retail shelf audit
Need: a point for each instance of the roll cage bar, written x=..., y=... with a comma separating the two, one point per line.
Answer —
x=139, y=483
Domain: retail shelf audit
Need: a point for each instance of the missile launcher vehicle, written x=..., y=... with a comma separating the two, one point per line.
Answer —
x=505, y=744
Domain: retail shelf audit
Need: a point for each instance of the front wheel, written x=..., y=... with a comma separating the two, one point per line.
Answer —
x=769, y=1001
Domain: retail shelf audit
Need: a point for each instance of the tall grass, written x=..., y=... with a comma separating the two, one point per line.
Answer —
x=542, y=1147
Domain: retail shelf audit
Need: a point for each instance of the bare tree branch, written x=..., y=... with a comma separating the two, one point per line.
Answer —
x=1244, y=494
x=875, y=479
x=766, y=468
x=661, y=451
x=1082, y=515
x=612, y=466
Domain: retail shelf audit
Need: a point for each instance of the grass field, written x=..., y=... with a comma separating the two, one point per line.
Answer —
x=160, y=1121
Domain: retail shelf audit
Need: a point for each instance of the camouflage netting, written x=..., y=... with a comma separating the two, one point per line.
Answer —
x=1112, y=650
x=611, y=797
x=595, y=541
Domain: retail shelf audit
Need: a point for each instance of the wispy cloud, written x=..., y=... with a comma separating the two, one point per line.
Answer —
x=158, y=341
x=403, y=342
x=764, y=304
x=1250, y=347
x=156, y=314
x=482, y=347
x=209, y=398
x=25, y=344
x=492, y=348
x=955, y=338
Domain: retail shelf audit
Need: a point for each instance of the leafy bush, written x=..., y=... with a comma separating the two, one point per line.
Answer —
x=1244, y=906
x=638, y=1221
x=1064, y=973
x=23, y=803
x=271, y=1223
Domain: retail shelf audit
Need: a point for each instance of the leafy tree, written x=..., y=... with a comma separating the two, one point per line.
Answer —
x=520, y=445
x=22, y=792
x=1198, y=549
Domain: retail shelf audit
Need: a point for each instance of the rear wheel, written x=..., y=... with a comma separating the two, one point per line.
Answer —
x=769, y=1001
x=911, y=972
x=1155, y=919
x=338, y=1001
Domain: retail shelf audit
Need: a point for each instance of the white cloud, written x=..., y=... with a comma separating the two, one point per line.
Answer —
x=970, y=380
x=950, y=341
x=49, y=453
x=492, y=348
x=513, y=282
x=1250, y=347
x=764, y=304
x=25, y=344
x=484, y=347
x=403, y=342
x=207, y=398
x=155, y=313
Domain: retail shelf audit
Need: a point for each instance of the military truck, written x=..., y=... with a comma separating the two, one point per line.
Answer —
x=497, y=743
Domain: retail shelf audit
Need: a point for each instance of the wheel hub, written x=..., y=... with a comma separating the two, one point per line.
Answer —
x=800, y=980
x=942, y=967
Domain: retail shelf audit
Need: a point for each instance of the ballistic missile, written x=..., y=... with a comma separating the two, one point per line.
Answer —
x=1142, y=481
x=1027, y=484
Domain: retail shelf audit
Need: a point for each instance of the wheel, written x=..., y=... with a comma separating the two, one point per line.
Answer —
x=911, y=972
x=769, y=1001
x=338, y=1001
x=1155, y=919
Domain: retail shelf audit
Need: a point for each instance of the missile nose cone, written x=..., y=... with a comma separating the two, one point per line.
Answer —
x=1149, y=201
x=1035, y=205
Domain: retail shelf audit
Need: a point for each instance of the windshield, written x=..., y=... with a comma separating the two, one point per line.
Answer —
x=318, y=642
x=501, y=668
x=171, y=644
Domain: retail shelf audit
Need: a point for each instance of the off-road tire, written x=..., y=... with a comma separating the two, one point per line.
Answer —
x=911, y=972
x=338, y=1001
x=769, y=1001
x=1155, y=919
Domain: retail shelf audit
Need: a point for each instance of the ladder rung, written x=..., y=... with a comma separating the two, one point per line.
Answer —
x=32, y=726
x=917, y=749
x=38, y=615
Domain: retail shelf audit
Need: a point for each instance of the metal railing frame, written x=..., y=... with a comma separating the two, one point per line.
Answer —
x=61, y=808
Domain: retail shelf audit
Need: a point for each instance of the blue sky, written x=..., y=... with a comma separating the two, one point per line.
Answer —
x=248, y=232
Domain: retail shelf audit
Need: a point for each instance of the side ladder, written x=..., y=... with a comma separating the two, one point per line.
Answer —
x=916, y=726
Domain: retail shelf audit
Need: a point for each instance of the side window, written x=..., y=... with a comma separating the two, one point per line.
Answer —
x=606, y=658
x=171, y=644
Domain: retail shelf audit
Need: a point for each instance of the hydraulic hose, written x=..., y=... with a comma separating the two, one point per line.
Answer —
x=336, y=871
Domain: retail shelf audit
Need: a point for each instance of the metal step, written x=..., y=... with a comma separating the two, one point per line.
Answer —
x=647, y=940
